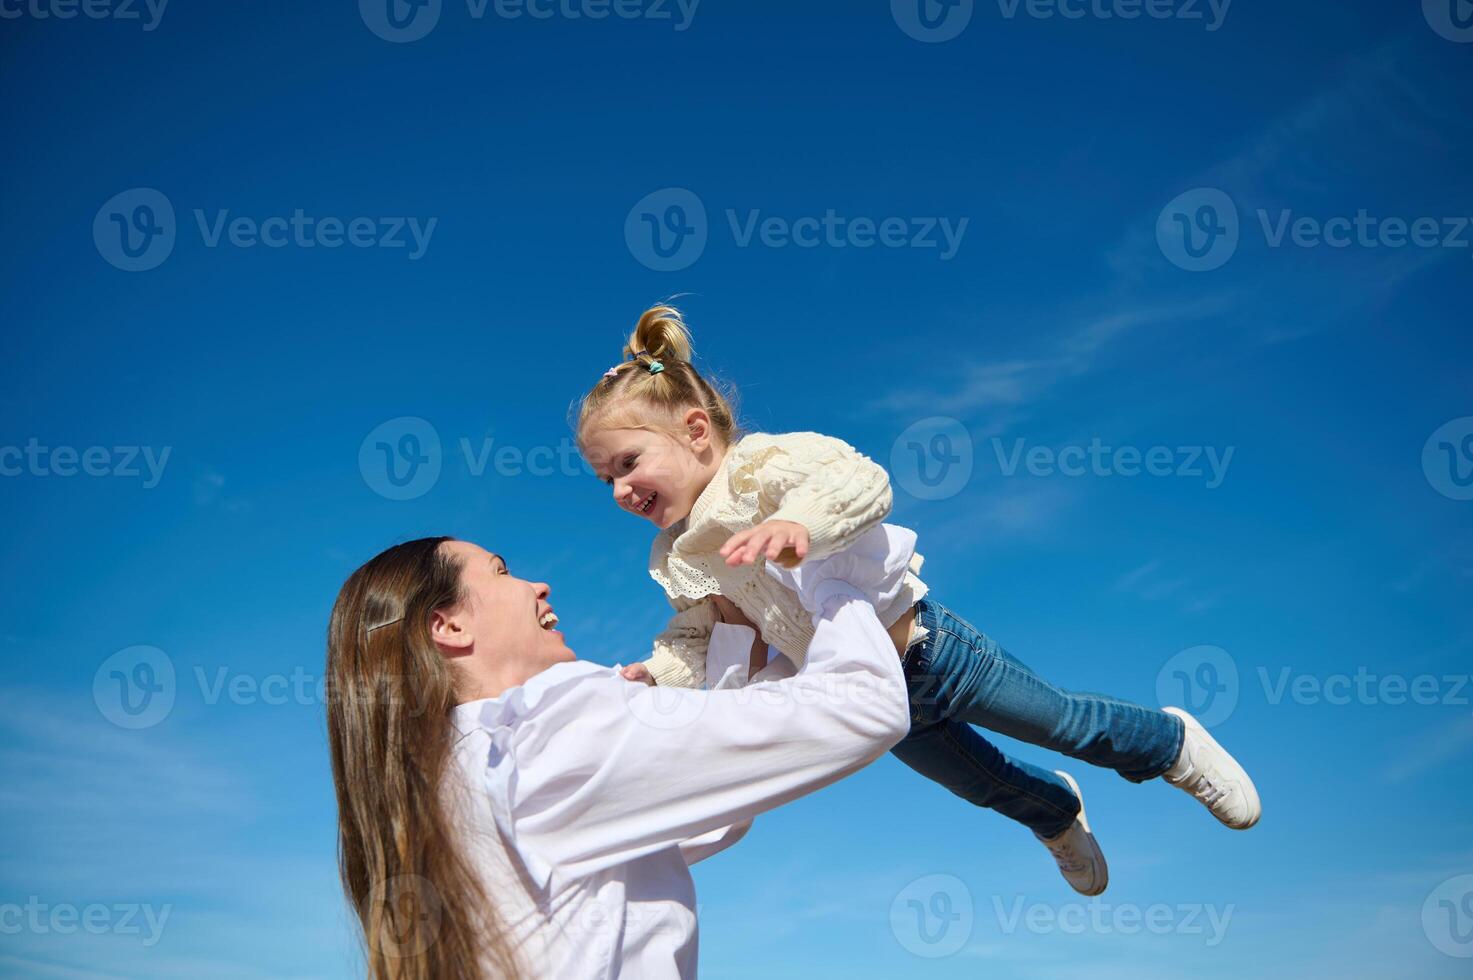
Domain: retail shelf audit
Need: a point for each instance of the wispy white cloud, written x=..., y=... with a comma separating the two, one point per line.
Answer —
x=1284, y=164
x=95, y=814
x=1146, y=583
x=1449, y=742
x=209, y=491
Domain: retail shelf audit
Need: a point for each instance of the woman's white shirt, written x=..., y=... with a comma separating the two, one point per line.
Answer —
x=590, y=795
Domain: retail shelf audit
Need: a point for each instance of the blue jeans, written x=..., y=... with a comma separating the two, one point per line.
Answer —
x=959, y=677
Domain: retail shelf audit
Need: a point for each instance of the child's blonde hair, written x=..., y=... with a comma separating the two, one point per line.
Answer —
x=656, y=379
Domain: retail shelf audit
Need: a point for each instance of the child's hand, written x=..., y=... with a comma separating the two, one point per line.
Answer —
x=637, y=672
x=781, y=541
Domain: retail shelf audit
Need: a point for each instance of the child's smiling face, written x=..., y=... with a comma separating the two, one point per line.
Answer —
x=654, y=474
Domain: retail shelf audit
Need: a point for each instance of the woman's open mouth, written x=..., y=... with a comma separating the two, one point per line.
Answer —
x=548, y=620
x=643, y=507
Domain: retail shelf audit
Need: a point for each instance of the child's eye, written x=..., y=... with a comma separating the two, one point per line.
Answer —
x=629, y=462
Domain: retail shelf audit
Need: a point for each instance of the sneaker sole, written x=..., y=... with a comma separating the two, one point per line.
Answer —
x=1084, y=822
x=1250, y=792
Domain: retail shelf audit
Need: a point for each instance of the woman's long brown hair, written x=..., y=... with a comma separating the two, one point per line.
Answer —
x=423, y=911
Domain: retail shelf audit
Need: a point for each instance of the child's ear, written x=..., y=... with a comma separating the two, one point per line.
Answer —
x=698, y=429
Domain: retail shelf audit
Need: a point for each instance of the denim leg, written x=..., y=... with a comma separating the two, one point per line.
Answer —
x=954, y=755
x=970, y=678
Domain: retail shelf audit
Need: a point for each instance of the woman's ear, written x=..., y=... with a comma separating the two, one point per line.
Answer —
x=448, y=630
x=698, y=429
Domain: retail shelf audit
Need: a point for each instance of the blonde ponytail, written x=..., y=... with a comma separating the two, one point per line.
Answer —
x=662, y=334
x=656, y=382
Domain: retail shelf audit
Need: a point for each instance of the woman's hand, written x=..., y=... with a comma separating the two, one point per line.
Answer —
x=781, y=541
x=637, y=672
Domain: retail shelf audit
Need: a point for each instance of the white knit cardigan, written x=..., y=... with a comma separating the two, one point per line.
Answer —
x=817, y=481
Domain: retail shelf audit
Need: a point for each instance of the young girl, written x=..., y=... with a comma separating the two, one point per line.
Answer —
x=665, y=440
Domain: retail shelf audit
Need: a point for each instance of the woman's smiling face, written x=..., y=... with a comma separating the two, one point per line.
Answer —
x=653, y=474
x=505, y=623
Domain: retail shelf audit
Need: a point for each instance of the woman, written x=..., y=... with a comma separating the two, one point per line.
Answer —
x=506, y=810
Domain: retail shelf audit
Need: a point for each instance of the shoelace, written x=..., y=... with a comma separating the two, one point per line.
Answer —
x=1201, y=785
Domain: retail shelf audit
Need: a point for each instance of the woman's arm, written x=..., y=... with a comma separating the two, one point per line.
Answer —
x=616, y=770
x=700, y=848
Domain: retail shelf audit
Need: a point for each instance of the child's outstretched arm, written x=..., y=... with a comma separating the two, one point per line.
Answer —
x=819, y=494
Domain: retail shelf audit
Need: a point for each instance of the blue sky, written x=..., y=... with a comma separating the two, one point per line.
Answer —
x=1334, y=542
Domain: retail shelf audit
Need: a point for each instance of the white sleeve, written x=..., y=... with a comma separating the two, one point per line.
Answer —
x=617, y=770
x=702, y=847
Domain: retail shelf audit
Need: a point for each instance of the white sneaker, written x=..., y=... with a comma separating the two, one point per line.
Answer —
x=1205, y=770
x=1079, y=857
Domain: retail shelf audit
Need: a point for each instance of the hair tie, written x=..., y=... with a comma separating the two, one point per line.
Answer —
x=612, y=372
x=656, y=367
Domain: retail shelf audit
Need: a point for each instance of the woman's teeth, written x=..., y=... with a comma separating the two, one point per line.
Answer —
x=548, y=620
x=647, y=503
